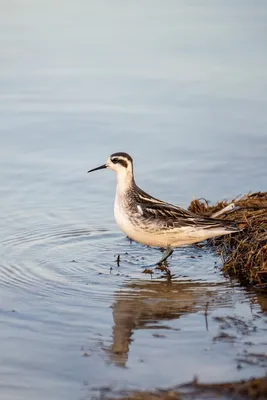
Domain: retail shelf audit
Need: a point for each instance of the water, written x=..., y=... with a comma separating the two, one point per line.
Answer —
x=182, y=88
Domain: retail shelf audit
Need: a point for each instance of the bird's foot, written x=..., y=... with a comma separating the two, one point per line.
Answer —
x=165, y=269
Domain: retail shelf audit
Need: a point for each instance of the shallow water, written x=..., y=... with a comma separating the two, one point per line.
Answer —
x=183, y=89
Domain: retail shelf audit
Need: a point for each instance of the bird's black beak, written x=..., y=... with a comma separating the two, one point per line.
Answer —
x=96, y=169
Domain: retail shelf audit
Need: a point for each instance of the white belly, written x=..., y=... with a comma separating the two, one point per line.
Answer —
x=176, y=237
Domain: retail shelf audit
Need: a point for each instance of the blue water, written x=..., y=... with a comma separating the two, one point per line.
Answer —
x=181, y=86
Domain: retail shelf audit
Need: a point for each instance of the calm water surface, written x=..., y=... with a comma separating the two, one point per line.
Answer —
x=182, y=87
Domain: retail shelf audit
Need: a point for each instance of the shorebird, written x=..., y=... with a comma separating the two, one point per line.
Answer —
x=153, y=222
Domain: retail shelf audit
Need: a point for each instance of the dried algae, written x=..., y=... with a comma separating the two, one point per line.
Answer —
x=244, y=253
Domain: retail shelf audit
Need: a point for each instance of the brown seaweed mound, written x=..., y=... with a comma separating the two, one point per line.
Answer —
x=244, y=253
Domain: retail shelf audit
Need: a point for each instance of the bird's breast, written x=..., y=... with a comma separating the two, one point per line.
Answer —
x=132, y=224
x=121, y=214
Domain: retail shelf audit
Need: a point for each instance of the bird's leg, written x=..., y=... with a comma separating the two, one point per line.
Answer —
x=162, y=266
x=166, y=255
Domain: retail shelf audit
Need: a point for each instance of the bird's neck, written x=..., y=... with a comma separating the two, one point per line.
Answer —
x=125, y=181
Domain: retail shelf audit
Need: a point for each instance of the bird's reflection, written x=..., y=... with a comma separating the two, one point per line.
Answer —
x=141, y=303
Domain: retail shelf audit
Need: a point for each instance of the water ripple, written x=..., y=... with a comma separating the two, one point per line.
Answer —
x=56, y=234
x=45, y=262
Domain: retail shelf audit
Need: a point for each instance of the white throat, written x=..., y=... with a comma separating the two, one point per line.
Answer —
x=124, y=181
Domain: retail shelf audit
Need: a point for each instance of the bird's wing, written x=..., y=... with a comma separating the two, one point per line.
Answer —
x=163, y=210
x=179, y=217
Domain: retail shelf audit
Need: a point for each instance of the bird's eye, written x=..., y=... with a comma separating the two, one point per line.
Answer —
x=115, y=160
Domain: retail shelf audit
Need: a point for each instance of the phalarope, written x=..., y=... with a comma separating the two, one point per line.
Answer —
x=154, y=222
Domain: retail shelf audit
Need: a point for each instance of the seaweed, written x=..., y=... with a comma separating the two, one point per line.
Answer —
x=244, y=253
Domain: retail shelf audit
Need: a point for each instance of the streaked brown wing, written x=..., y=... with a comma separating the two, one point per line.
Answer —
x=174, y=215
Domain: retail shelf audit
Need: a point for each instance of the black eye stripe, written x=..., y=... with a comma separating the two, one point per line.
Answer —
x=123, y=163
x=119, y=161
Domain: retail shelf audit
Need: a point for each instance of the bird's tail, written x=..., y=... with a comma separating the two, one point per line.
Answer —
x=226, y=226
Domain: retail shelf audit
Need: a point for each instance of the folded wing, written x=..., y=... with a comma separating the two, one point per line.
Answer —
x=179, y=217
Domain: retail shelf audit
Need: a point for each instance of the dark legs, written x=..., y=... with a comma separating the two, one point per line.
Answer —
x=166, y=255
x=164, y=267
x=158, y=265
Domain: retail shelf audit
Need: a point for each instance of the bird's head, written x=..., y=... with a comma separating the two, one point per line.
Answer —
x=120, y=162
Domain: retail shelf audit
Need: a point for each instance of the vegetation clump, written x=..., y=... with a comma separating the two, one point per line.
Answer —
x=244, y=253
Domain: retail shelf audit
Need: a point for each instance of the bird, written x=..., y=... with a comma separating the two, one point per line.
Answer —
x=153, y=222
